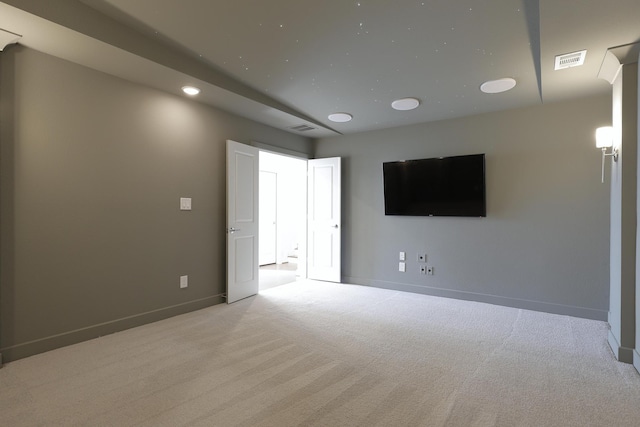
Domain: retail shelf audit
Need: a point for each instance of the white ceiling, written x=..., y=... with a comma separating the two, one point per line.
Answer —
x=292, y=62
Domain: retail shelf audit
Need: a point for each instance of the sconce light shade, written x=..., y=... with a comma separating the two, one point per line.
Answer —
x=604, y=140
x=604, y=137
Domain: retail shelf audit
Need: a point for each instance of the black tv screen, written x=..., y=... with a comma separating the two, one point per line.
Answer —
x=441, y=186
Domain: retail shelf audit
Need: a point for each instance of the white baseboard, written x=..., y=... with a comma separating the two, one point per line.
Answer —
x=30, y=348
x=565, y=310
x=623, y=354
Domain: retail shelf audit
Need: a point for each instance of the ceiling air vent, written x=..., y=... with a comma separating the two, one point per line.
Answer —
x=569, y=60
x=302, y=128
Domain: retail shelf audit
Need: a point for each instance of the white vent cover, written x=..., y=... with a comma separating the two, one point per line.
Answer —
x=302, y=128
x=568, y=60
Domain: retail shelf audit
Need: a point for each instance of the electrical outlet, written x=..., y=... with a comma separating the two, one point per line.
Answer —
x=423, y=269
x=402, y=256
x=402, y=267
x=422, y=257
x=184, y=282
x=430, y=270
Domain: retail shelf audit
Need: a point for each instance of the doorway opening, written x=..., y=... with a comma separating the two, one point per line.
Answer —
x=282, y=219
x=318, y=249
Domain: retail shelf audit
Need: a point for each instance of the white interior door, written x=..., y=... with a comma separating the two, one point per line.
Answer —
x=242, y=221
x=324, y=218
x=268, y=217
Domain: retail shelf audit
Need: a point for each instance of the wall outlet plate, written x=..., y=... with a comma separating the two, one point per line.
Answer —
x=423, y=269
x=185, y=203
x=402, y=256
x=422, y=257
x=184, y=282
x=430, y=270
x=402, y=267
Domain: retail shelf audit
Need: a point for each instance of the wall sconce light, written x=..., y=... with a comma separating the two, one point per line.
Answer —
x=604, y=140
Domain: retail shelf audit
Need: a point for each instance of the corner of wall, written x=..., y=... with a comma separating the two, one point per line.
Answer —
x=314, y=147
x=636, y=355
x=623, y=354
x=623, y=243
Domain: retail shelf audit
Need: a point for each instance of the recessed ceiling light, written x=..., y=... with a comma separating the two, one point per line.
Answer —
x=340, y=117
x=497, y=86
x=405, y=104
x=190, y=90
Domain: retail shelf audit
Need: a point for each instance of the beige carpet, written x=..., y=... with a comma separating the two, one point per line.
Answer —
x=319, y=354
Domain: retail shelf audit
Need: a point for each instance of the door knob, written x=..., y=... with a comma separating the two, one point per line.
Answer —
x=232, y=230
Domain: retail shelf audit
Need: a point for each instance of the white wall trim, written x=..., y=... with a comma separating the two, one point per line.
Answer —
x=610, y=68
x=279, y=150
x=40, y=345
x=564, y=310
x=636, y=360
x=623, y=354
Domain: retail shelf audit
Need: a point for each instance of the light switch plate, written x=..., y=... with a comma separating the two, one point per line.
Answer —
x=184, y=282
x=185, y=203
x=402, y=256
x=402, y=267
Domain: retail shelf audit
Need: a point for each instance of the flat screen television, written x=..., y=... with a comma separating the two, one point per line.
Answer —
x=441, y=186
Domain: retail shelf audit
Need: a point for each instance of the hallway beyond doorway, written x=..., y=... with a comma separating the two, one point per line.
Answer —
x=273, y=275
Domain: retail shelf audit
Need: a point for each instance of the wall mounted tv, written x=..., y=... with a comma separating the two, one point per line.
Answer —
x=441, y=186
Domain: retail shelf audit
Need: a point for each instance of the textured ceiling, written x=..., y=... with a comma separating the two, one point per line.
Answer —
x=292, y=62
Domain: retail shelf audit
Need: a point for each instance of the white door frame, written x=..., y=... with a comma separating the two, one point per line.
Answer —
x=268, y=248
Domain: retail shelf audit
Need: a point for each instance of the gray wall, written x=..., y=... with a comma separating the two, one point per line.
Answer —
x=92, y=169
x=544, y=244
